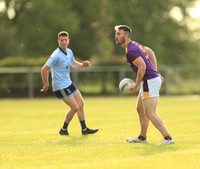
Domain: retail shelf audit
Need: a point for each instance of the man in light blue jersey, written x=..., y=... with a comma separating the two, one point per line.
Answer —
x=142, y=61
x=60, y=62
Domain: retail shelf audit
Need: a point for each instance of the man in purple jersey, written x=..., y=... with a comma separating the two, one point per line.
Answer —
x=142, y=61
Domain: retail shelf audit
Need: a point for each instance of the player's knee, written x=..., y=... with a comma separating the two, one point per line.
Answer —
x=81, y=105
x=75, y=108
x=140, y=111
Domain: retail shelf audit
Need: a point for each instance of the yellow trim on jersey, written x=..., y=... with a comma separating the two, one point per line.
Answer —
x=126, y=51
x=142, y=48
x=136, y=59
x=146, y=95
x=128, y=42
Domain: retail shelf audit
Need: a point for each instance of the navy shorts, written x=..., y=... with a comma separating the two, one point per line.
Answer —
x=67, y=92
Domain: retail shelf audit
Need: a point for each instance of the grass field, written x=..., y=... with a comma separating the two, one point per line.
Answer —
x=29, y=136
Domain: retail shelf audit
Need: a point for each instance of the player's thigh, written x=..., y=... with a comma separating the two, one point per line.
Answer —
x=140, y=108
x=71, y=102
x=79, y=99
x=150, y=105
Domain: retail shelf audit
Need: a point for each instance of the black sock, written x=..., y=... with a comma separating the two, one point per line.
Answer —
x=168, y=137
x=83, y=125
x=141, y=138
x=65, y=125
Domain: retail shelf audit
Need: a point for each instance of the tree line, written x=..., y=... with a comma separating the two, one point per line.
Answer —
x=28, y=28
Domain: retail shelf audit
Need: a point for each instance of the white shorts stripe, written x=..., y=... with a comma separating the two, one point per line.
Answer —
x=63, y=93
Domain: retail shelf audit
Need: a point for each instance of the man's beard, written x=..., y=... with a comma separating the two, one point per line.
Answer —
x=122, y=41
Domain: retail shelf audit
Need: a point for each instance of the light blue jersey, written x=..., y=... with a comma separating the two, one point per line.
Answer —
x=60, y=64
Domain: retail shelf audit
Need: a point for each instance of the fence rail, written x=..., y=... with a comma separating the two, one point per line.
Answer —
x=173, y=75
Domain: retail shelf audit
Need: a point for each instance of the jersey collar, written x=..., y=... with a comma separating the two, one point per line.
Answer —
x=63, y=51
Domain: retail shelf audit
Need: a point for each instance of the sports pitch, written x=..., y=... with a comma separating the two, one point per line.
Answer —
x=29, y=136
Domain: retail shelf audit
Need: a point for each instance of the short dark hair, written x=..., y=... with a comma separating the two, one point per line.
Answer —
x=127, y=30
x=63, y=33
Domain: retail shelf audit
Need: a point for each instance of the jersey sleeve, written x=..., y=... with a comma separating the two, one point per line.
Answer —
x=133, y=56
x=72, y=59
x=52, y=60
x=71, y=55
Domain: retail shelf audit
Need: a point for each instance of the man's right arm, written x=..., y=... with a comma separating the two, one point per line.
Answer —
x=45, y=78
x=140, y=64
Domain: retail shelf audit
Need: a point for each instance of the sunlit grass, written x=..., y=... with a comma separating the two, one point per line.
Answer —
x=29, y=135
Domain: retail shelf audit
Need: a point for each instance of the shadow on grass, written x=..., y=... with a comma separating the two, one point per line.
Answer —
x=98, y=142
x=151, y=149
x=72, y=141
x=141, y=149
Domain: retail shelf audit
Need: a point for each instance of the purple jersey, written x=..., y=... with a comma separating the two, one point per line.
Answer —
x=135, y=51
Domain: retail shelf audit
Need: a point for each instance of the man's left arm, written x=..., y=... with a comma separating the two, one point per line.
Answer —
x=152, y=57
x=77, y=65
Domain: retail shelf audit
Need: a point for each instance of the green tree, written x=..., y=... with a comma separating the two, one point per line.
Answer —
x=38, y=22
x=154, y=27
x=32, y=26
x=83, y=41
